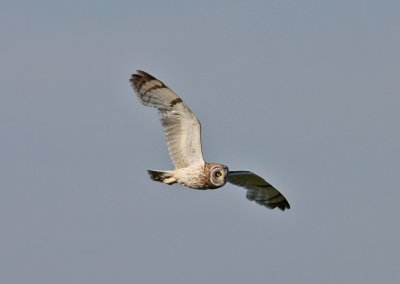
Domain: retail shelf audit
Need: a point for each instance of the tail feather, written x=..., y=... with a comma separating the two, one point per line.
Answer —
x=162, y=176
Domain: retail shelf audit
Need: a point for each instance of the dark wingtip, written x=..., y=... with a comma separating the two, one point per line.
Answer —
x=282, y=205
x=140, y=78
x=145, y=75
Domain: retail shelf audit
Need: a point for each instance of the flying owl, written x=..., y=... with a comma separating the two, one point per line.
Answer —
x=183, y=134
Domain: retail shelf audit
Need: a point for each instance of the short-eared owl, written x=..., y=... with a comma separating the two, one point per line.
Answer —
x=182, y=130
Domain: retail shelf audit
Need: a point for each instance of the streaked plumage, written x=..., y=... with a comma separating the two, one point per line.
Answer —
x=183, y=133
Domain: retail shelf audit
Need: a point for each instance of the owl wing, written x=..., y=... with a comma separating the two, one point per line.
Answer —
x=258, y=189
x=181, y=126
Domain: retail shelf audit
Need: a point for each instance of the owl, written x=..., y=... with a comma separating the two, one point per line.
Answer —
x=183, y=134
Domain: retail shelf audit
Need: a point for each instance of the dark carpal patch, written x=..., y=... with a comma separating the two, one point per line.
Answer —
x=175, y=102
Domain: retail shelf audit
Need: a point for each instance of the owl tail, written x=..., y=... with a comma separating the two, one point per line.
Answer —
x=162, y=176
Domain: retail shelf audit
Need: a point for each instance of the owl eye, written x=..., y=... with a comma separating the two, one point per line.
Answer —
x=218, y=174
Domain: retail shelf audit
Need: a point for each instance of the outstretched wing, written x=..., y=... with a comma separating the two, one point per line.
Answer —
x=259, y=190
x=181, y=126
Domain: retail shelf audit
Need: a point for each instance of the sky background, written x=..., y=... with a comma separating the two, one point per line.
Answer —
x=304, y=93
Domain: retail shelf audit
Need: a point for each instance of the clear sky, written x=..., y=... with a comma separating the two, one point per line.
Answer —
x=304, y=93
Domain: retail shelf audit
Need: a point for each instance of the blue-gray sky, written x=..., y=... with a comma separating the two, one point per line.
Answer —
x=304, y=93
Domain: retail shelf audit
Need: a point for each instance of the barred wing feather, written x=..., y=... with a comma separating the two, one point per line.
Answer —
x=181, y=126
x=259, y=189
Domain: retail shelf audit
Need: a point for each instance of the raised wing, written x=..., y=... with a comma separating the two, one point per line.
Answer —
x=181, y=126
x=258, y=189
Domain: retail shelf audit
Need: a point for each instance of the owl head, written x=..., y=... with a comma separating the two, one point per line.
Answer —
x=218, y=174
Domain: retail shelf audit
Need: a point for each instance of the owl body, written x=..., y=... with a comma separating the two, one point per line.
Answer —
x=198, y=176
